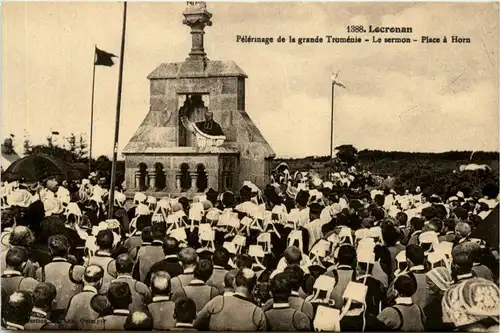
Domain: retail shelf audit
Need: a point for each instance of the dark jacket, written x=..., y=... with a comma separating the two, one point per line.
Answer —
x=375, y=294
x=356, y=323
x=170, y=265
x=34, y=216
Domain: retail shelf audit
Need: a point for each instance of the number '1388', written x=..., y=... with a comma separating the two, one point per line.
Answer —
x=355, y=28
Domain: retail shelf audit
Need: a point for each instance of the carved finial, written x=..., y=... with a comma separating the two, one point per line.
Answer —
x=196, y=5
x=197, y=17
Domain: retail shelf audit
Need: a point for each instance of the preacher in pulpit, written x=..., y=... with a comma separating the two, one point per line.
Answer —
x=209, y=126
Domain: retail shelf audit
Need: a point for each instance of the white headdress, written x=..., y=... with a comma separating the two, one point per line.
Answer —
x=120, y=198
x=256, y=252
x=63, y=195
x=52, y=206
x=19, y=197
x=139, y=197
x=74, y=209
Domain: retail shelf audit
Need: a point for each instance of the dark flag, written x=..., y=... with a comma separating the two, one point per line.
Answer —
x=104, y=58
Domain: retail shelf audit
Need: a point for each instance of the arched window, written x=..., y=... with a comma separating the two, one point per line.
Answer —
x=193, y=107
x=143, y=172
x=160, y=177
x=201, y=180
x=185, y=177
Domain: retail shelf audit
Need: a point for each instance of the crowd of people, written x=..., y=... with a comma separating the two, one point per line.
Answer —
x=300, y=254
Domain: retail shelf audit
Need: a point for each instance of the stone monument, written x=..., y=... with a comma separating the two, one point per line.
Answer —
x=197, y=134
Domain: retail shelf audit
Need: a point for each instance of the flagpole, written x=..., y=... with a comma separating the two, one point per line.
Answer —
x=331, y=122
x=92, y=112
x=117, y=120
x=331, y=133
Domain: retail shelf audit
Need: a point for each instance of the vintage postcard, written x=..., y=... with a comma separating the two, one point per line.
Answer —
x=240, y=166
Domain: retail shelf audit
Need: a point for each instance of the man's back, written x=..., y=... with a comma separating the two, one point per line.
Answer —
x=403, y=317
x=231, y=313
x=14, y=281
x=379, y=274
x=162, y=311
x=181, y=281
x=67, y=279
x=298, y=303
x=345, y=275
x=422, y=295
x=80, y=314
x=199, y=292
x=146, y=258
x=112, y=322
x=28, y=270
x=132, y=242
x=217, y=279
x=107, y=263
x=286, y=319
x=375, y=294
x=141, y=296
x=170, y=265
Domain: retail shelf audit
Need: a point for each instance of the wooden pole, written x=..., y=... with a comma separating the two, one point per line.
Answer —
x=331, y=132
x=331, y=122
x=92, y=112
x=117, y=119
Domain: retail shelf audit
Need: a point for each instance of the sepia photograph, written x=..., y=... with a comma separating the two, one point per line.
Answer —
x=250, y=166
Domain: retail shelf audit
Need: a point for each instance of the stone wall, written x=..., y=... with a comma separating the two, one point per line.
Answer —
x=171, y=164
x=222, y=94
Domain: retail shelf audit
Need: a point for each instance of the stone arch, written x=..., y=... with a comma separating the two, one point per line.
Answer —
x=142, y=176
x=160, y=176
x=201, y=178
x=185, y=177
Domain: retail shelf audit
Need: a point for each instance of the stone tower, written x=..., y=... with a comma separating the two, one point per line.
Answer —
x=167, y=155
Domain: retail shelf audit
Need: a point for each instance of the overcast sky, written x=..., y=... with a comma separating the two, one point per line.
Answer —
x=434, y=97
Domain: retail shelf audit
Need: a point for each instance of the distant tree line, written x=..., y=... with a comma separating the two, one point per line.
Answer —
x=434, y=172
x=75, y=153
